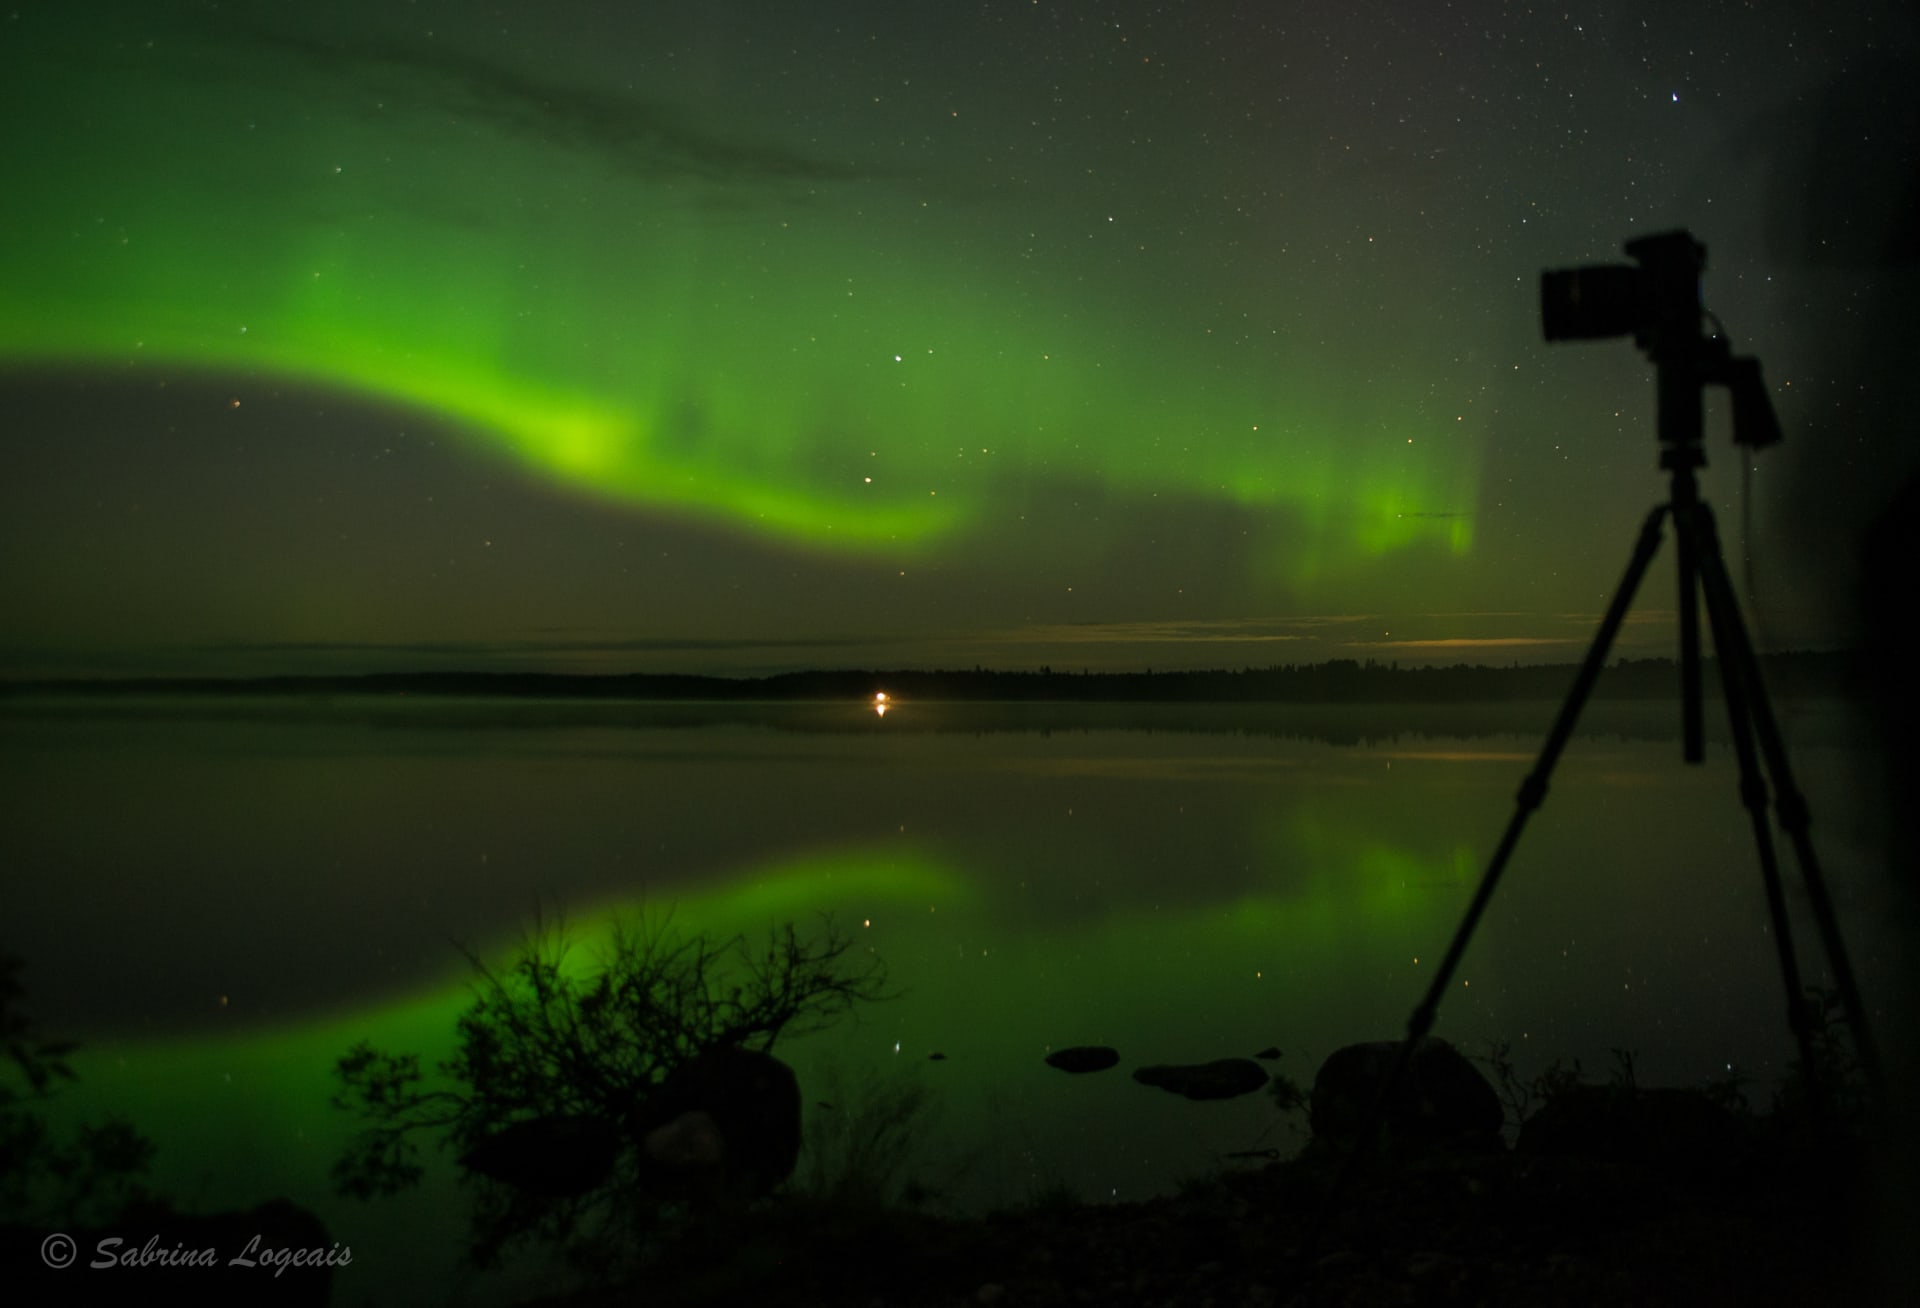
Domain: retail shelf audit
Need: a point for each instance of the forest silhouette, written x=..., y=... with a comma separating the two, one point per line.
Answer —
x=1344, y=681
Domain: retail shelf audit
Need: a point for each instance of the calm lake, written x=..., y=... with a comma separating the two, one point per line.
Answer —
x=220, y=896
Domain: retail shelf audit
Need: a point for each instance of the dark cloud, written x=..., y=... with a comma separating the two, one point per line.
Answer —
x=1170, y=631
x=517, y=648
x=630, y=133
x=316, y=657
x=1464, y=642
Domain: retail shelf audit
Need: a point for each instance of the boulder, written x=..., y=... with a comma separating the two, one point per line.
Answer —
x=1442, y=1098
x=724, y=1125
x=1083, y=1058
x=1672, y=1132
x=691, y=1140
x=1224, y=1078
x=557, y=1156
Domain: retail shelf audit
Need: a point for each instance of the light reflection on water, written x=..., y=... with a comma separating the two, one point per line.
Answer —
x=222, y=897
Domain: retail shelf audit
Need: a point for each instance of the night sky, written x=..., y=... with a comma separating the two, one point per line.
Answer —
x=738, y=337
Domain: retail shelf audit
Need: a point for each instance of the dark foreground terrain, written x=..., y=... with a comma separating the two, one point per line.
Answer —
x=1794, y=1224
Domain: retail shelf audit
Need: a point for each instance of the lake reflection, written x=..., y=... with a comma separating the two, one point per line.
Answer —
x=220, y=897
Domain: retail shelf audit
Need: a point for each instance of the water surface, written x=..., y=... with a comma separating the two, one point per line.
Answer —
x=221, y=896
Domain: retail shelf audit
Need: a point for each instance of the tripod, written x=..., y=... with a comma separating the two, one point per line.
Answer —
x=1686, y=362
x=1750, y=715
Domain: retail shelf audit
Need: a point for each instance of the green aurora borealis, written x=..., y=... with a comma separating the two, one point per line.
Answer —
x=1193, y=334
x=745, y=336
x=847, y=359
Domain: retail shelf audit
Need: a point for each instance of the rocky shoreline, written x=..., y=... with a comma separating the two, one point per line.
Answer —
x=1502, y=1228
x=1613, y=1195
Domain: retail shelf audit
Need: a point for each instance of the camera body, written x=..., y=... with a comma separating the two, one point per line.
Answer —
x=1657, y=303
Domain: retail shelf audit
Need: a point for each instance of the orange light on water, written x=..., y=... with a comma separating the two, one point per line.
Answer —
x=880, y=703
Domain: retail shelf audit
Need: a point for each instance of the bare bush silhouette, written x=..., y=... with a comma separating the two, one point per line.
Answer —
x=557, y=1066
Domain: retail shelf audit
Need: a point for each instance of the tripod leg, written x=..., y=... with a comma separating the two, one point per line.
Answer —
x=1532, y=791
x=1692, y=735
x=1738, y=660
x=1696, y=524
x=1680, y=401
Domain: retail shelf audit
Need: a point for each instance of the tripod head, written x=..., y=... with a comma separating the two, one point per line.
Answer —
x=1659, y=303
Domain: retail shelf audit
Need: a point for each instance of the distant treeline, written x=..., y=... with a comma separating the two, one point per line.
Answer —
x=1338, y=681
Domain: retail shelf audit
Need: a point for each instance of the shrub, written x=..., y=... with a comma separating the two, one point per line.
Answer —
x=861, y=1142
x=45, y=1180
x=547, y=1041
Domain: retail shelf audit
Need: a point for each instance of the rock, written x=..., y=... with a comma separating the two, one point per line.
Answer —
x=690, y=1140
x=724, y=1125
x=1673, y=1132
x=1442, y=1099
x=1083, y=1058
x=557, y=1156
x=1270, y=1053
x=1224, y=1078
x=936, y=1057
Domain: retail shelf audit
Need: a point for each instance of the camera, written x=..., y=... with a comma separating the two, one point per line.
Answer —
x=1659, y=303
x=1659, y=298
